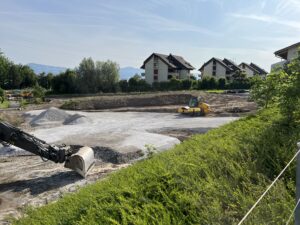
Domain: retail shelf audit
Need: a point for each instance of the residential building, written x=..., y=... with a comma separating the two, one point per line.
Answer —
x=286, y=54
x=260, y=70
x=252, y=69
x=160, y=67
x=218, y=68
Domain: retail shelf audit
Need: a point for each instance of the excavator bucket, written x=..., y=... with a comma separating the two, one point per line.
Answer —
x=82, y=161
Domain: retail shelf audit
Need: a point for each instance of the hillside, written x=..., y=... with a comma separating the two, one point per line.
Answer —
x=39, y=68
x=128, y=72
x=125, y=72
x=209, y=179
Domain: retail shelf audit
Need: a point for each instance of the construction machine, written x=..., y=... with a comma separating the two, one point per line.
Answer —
x=78, y=159
x=196, y=107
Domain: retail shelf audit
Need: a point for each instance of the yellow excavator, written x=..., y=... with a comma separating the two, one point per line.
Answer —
x=81, y=160
x=196, y=107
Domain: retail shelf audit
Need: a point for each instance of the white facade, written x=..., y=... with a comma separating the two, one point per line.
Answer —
x=184, y=74
x=292, y=53
x=208, y=70
x=160, y=66
x=287, y=55
x=249, y=72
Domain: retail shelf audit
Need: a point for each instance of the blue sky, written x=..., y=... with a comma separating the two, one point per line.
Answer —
x=62, y=32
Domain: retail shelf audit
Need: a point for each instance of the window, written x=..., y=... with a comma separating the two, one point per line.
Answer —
x=155, y=64
x=227, y=72
x=155, y=71
x=214, y=73
x=155, y=77
x=214, y=67
x=214, y=62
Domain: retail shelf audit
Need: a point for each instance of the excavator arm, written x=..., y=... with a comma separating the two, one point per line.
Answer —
x=80, y=160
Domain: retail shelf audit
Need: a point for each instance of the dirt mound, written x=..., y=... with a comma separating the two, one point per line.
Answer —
x=111, y=102
x=75, y=119
x=49, y=116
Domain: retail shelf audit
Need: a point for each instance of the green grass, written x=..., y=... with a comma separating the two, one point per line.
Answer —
x=209, y=179
x=4, y=105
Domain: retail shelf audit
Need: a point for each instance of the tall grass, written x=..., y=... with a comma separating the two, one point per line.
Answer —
x=209, y=179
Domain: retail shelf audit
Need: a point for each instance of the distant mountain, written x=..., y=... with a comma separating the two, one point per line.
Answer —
x=128, y=72
x=39, y=68
x=125, y=72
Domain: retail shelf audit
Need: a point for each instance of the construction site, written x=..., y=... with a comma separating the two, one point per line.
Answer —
x=121, y=130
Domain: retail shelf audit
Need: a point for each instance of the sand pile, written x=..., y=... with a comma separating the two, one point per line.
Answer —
x=54, y=117
x=75, y=119
x=49, y=117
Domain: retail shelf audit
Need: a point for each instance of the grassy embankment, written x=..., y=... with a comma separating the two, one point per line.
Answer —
x=4, y=104
x=209, y=179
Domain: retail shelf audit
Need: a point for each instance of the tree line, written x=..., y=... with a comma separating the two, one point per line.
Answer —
x=15, y=76
x=97, y=76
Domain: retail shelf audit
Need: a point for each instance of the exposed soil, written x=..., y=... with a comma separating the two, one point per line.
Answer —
x=117, y=135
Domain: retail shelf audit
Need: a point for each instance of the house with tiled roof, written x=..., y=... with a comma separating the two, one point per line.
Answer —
x=218, y=68
x=286, y=55
x=160, y=67
x=252, y=69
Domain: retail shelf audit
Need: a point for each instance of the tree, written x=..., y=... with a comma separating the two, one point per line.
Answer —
x=97, y=76
x=107, y=76
x=4, y=69
x=264, y=91
x=45, y=80
x=123, y=84
x=29, y=79
x=87, y=78
x=281, y=87
x=14, y=77
x=65, y=83
x=134, y=82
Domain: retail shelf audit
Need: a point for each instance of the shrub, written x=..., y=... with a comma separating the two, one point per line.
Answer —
x=2, y=95
x=124, y=86
x=186, y=84
x=175, y=84
x=221, y=83
x=38, y=92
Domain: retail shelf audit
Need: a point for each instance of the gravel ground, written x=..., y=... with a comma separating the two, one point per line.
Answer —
x=116, y=137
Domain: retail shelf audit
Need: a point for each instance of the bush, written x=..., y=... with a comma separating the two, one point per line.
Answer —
x=281, y=87
x=124, y=86
x=221, y=83
x=175, y=84
x=186, y=84
x=38, y=92
x=2, y=95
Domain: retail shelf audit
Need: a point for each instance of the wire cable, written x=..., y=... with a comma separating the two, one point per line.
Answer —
x=266, y=191
x=291, y=216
